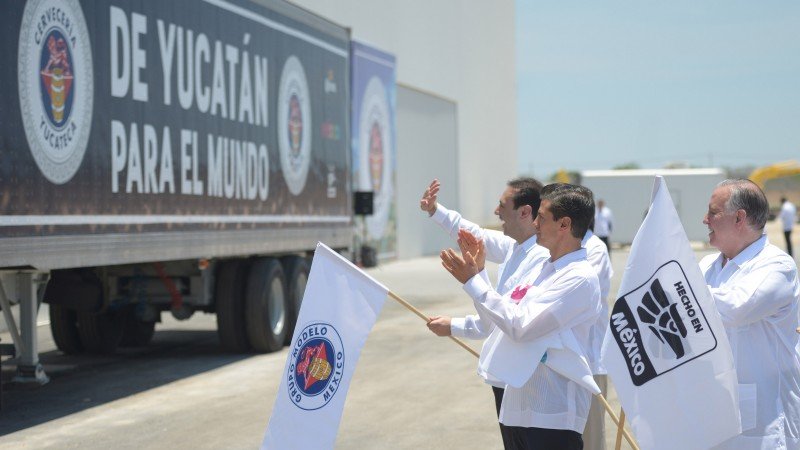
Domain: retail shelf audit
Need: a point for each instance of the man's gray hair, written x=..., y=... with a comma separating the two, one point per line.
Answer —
x=748, y=196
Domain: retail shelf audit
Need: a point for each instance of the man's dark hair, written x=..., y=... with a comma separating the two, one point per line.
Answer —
x=575, y=202
x=528, y=190
x=746, y=195
x=586, y=192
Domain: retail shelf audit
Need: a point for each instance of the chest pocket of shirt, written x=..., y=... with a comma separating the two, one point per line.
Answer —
x=747, y=405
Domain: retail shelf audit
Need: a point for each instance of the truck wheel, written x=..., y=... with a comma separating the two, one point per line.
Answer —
x=267, y=305
x=101, y=333
x=296, y=269
x=229, y=298
x=64, y=327
x=137, y=333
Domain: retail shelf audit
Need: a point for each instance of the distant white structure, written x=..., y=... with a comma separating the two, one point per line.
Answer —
x=627, y=193
x=456, y=103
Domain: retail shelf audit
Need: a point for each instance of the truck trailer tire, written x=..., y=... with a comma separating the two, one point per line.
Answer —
x=296, y=269
x=230, y=305
x=267, y=305
x=137, y=333
x=101, y=332
x=64, y=328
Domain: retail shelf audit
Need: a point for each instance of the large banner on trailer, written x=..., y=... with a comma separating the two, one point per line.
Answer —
x=374, y=149
x=125, y=116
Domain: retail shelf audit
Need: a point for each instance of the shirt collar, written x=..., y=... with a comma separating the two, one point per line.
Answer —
x=586, y=237
x=571, y=257
x=745, y=255
x=750, y=251
x=527, y=245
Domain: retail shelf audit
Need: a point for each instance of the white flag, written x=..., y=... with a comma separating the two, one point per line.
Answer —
x=569, y=361
x=560, y=352
x=514, y=362
x=667, y=352
x=339, y=307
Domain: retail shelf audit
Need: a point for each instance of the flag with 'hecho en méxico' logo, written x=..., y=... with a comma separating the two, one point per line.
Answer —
x=340, y=306
x=667, y=352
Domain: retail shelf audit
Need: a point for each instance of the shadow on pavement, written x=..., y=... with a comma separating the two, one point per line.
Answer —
x=79, y=382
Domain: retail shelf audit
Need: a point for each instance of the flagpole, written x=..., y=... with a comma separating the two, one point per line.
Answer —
x=621, y=426
x=466, y=347
x=425, y=318
x=619, y=429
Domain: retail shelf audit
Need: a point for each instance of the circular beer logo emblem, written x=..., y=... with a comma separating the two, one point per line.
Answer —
x=56, y=85
x=294, y=125
x=315, y=367
x=375, y=157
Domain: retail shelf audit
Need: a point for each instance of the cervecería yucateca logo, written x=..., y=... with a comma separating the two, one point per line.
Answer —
x=294, y=125
x=56, y=85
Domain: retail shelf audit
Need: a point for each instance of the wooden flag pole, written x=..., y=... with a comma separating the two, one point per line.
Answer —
x=620, y=425
x=425, y=318
x=466, y=347
x=619, y=429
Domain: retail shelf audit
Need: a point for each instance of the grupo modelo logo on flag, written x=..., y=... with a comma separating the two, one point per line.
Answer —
x=660, y=326
x=315, y=367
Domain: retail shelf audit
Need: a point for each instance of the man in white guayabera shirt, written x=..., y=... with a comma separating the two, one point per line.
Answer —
x=548, y=410
x=514, y=248
x=756, y=290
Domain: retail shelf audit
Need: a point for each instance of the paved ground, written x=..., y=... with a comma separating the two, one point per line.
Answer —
x=183, y=392
x=411, y=389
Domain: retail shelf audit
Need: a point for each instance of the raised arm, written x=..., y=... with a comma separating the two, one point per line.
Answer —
x=569, y=300
x=472, y=326
x=540, y=312
x=430, y=197
x=766, y=292
x=497, y=244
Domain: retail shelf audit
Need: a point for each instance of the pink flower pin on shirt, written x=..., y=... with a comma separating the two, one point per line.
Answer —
x=519, y=292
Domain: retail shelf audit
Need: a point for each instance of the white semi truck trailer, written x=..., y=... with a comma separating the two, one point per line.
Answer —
x=167, y=156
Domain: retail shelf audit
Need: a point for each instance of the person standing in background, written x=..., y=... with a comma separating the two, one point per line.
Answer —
x=788, y=216
x=603, y=223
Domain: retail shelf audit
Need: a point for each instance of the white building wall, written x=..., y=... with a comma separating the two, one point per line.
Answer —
x=462, y=51
x=628, y=192
x=433, y=124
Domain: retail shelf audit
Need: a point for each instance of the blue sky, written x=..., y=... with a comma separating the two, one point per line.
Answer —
x=707, y=83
